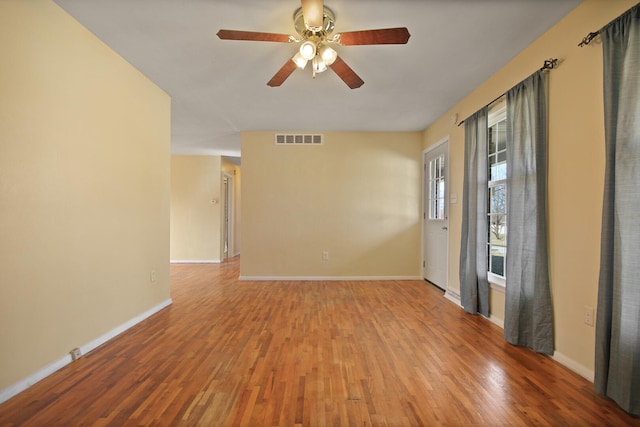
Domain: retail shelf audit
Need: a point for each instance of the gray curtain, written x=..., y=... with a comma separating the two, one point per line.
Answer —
x=474, y=288
x=528, y=308
x=617, y=367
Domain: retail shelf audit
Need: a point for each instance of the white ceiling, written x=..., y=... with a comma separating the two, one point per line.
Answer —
x=218, y=88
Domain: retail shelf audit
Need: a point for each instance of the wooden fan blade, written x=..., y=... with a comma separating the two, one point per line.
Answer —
x=253, y=36
x=282, y=74
x=313, y=13
x=383, y=36
x=346, y=74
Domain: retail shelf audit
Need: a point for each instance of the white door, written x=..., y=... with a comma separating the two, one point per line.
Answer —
x=436, y=215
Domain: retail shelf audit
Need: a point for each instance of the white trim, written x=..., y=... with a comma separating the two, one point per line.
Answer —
x=497, y=111
x=565, y=361
x=576, y=367
x=453, y=297
x=436, y=145
x=41, y=374
x=27, y=382
x=495, y=321
x=496, y=281
x=120, y=329
x=444, y=141
x=231, y=214
x=327, y=278
x=195, y=261
x=498, y=287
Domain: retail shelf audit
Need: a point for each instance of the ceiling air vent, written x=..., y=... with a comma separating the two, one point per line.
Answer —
x=299, y=139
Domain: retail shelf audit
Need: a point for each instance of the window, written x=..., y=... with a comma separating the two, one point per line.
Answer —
x=497, y=194
x=436, y=188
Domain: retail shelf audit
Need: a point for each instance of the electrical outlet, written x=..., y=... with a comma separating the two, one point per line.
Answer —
x=325, y=255
x=588, y=315
x=75, y=354
x=152, y=276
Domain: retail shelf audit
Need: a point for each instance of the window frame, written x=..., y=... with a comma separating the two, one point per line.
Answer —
x=437, y=206
x=497, y=114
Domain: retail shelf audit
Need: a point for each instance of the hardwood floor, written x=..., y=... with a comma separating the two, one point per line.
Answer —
x=361, y=353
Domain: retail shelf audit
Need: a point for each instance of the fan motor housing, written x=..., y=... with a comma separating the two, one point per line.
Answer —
x=328, y=24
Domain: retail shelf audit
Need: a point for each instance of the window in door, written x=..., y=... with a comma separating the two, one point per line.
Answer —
x=437, y=188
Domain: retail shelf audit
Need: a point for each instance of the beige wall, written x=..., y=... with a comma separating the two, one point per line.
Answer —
x=196, y=223
x=84, y=189
x=576, y=169
x=357, y=197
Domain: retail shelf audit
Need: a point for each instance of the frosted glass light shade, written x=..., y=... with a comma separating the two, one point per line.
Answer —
x=328, y=55
x=308, y=50
x=300, y=61
x=318, y=65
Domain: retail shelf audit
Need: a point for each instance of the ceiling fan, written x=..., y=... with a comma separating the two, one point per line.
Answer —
x=314, y=24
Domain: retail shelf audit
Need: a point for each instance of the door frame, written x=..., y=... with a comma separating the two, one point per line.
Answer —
x=228, y=204
x=425, y=198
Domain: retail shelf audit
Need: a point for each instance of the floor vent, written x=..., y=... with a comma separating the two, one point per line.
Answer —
x=299, y=139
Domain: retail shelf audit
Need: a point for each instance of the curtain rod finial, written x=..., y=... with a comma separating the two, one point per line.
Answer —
x=549, y=64
x=588, y=38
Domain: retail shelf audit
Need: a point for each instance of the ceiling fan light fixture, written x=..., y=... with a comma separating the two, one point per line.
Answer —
x=314, y=27
x=308, y=50
x=327, y=54
x=300, y=61
x=318, y=65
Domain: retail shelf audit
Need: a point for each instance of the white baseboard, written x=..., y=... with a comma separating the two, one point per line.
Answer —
x=27, y=382
x=496, y=321
x=565, y=361
x=195, y=261
x=453, y=297
x=576, y=367
x=327, y=278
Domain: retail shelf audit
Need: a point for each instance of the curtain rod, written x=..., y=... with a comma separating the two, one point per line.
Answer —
x=589, y=38
x=592, y=35
x=549, y=64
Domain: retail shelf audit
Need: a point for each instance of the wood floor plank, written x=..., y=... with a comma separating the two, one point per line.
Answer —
x=318, y=353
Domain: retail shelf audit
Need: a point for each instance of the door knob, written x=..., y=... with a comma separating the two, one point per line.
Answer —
x=445, y=228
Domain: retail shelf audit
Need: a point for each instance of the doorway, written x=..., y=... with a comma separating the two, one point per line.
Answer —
x=227, y=216
x=435, y=242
